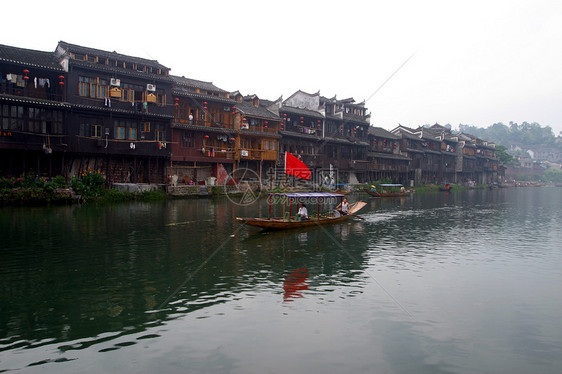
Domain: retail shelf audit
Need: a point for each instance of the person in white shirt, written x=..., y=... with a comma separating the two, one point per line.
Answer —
x=343, y=206
x=303, y=213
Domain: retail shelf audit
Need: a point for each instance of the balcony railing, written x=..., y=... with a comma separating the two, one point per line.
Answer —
x=35, y=93
x=204, y=123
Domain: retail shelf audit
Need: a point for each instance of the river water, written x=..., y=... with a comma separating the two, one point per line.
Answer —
x=444, y=282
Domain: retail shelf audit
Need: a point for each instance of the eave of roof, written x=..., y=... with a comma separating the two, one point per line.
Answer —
x=189, y=82
x=33, y=101
x=122, y=111
x=200, y=96
x=119, y=71
x=392, y=156
x=300, y=111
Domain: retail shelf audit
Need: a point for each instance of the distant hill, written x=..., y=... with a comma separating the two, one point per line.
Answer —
x=525, y=136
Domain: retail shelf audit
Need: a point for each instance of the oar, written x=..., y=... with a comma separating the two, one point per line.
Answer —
x=351, y=214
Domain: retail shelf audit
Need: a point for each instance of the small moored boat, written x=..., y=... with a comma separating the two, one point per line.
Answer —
x=289, y=221
x=388, y=190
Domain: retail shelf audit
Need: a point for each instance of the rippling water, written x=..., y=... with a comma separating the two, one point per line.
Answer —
x=467, y=281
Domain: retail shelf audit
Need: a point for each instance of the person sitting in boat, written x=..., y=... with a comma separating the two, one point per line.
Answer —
x=302, y=213
x=373, y=188
x=343, y=207
x=402, y=189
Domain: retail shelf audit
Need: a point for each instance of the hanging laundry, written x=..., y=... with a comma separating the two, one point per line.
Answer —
x=20, y=81
x=35, y=82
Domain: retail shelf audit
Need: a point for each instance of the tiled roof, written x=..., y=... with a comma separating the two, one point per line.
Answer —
x=355, y=117
x=188, y=82
x=392, y=156
x=337, y=140
x=29, y=58
x=256, y=111
x=300, y=112
x=407, y=135
x=382, y=133
x=204, y=97
x=301, y=135
x=120, y=71
x=74, y=48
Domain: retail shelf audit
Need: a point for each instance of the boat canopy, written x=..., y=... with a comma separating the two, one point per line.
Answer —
x=315, y=195
x=391, y=185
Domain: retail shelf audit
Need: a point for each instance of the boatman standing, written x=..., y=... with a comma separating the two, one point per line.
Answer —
x=343, y=206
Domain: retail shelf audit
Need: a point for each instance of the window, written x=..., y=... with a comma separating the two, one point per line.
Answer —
x=120, y=130
x=92, y=87
x=269, y=145
x=145, y=127
x=12, y=117
x=187, y=140
x=91, y=127
x=127, y=92
x=160, y=134
x=95, y=131
x=132, y=133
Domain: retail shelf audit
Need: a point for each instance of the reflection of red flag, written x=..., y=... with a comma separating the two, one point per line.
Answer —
x=294, y=166
x=295, y=284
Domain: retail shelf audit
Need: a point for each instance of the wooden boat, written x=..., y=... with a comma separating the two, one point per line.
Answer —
x=388, y=190
x=333, y=216
x=446, y=187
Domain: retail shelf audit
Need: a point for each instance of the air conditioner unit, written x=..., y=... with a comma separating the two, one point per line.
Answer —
x=244, y=153
x=151, y=87
x=115, y=82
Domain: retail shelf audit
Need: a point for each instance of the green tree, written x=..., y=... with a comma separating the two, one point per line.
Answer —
x=504, y=157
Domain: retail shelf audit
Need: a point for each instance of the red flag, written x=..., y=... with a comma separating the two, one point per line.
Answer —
x=294, y=166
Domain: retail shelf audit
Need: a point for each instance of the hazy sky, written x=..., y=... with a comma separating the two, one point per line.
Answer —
x=472, y=62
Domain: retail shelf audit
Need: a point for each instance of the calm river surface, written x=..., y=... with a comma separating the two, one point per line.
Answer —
x=459, y=282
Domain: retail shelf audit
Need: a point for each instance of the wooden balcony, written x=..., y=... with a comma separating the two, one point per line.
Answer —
x=205, y=123
x=257, y=154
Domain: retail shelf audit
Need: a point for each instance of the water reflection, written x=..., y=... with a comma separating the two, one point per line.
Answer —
x=295, y=284
x=80, y=281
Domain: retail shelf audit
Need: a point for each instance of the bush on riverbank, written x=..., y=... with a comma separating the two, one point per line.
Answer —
x=89, y=187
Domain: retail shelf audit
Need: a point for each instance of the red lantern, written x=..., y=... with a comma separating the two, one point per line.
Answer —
x=61, y=77
x=25, y=77
x=206, y=136
x=232, y=139
x=25, y=71
x=177, y=101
